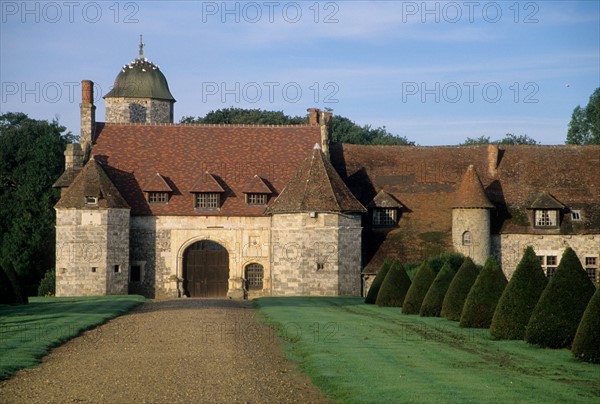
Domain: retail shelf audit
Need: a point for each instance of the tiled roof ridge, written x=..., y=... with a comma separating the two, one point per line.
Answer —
x=209, y=125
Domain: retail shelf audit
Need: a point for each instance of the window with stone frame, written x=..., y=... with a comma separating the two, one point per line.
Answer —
x=576, y=215
x=546, y=218
x=158, y=197
x=549, y=264
x=254, y=276
x=385, y=217
x=591, y=267
x=207, y=200
x=91, y=200
x=256, y=199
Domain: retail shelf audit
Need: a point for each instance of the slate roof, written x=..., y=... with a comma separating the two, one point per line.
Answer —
x=232, y=154
x=470, y=193
x=426, y=179
x=316, y=187
x=94, y=182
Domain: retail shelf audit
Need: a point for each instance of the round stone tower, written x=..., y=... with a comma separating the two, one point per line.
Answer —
x=471, y=232
x=140, y=94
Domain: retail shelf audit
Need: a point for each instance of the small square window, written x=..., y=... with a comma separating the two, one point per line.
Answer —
x=576, y=215
x=94, y=269
x=591, y=261
x=91, y=200
x=117, y=268
x=320, y=266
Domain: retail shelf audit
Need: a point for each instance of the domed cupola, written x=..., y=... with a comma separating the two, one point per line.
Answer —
x=140, y=94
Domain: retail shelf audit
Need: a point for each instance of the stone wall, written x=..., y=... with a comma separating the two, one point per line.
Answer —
x=89, y=244
x=477, y=223
x=316, y=255
x=509, y=248
x=138, y=110
x=158, y=244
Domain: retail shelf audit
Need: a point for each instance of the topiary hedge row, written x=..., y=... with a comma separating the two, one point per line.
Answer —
x=554, y=320
x=432, y=303
x=484, y=295
x=374, y=289
x=394, y=287
x=586, y=345
x=459, y=290
x=418, y=289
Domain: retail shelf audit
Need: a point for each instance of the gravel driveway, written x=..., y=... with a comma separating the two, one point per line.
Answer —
x=188, y=350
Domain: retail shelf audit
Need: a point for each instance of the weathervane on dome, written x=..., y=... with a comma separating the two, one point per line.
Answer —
x=141, y=48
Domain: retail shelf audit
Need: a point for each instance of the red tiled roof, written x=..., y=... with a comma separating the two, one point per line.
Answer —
x=316, y=187
x=207, y=183
x=157, y=184
x=470, y=193
x=233, y=154
x=384, y=200
x=425, y=180
x=256, y=186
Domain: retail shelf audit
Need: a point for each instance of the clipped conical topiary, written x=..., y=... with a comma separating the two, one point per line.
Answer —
x=374, y=289
x=586, y=345
x=519, y=298
x=437, y=262
x=554, y=320
x=459, y=290
x=394, y=287
x=432, y=303
x=484, y=296
x=418, y=289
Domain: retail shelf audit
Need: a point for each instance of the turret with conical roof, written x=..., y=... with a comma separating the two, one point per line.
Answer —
x=471, y=218
x=140, y=94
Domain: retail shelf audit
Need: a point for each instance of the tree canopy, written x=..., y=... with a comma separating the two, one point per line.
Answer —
x=509, y=138
x=584, y=127
x=343, y=129
x=31, y=159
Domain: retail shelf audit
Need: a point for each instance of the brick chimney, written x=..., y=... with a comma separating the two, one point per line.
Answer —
x=88, y=116
x=493, y=154
x=314, y=116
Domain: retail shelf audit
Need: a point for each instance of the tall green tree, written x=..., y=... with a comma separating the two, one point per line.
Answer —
x=584, y=127
x=343, y=129
x=31, y=159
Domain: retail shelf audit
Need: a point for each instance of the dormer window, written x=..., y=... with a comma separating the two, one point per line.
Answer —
x=576, y=215
x=546, y=218
x=158, y=197
x=91, y=200
x=256, y=199
x=158, y=191
x=385, y=217
x=207, y=200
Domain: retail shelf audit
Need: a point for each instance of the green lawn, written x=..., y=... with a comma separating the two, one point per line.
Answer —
x=29, y=331
x=363, y=353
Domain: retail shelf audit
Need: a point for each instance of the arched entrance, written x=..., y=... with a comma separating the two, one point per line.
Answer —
x=205, y=270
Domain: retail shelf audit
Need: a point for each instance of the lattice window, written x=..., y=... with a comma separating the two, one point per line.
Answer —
x=158, y=197
x=549, y=264
x=256, y=199
x=254, y=277
x=591, y=267
x=546, y=218
x=207, y=201
x=384, y=217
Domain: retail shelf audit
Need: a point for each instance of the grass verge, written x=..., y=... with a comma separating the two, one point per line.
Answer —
x=28, y=332
x=356, y=352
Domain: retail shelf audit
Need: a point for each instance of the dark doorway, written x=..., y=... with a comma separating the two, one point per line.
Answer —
x=205, y=270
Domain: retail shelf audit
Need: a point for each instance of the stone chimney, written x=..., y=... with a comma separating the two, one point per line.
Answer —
x=314, y=116
x=73, y=157
x=493, y=154
x=326, y=129
x=88, y=116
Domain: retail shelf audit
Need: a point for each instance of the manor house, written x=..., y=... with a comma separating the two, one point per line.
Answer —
x=171, y=210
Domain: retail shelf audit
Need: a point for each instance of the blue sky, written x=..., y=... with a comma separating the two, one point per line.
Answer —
x=436, y=72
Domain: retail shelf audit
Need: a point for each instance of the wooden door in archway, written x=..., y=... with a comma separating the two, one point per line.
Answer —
x=205, y=270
